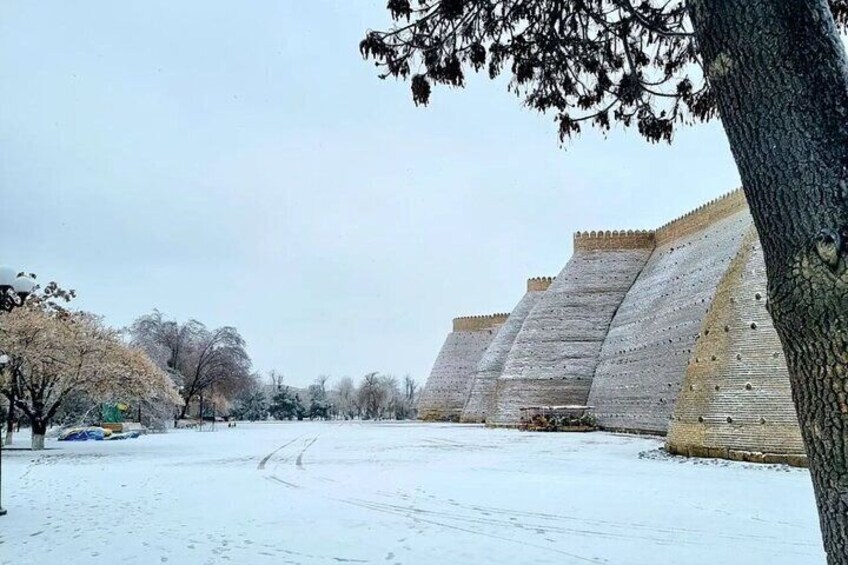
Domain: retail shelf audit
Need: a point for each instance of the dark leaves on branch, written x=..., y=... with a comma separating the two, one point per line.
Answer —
x=399, y=9
x=477, y=56
x=839, y=9
x=452, y=9
x=603, y=62
x=420, y=90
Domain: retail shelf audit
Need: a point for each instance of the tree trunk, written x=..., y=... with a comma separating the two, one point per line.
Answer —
x=39, y=428
x=10, y=421
x=183, y=410
x=780, y=76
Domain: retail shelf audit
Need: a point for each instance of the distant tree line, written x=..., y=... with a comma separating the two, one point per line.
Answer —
x=376, y=397
x=66, y=367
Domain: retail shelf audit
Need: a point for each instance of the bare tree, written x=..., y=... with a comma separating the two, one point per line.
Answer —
x=276, y=379
x=344, y=398
x=392, y=404
x=371, y=396
x=202, y=361
x=410, y=398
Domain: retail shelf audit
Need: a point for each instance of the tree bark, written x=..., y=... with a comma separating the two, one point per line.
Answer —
x=780, y=76
x=10, y=421
x=39, y=429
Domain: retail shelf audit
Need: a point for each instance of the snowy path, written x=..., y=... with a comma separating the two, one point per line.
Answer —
x=405, y=493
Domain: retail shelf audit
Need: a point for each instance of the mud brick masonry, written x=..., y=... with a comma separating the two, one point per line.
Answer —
x=663, y=332
x=449, y=384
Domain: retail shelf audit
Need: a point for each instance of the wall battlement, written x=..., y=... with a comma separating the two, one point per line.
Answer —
x=615, y=239
x=478, y=323
x=702, y=217
x=537, y=284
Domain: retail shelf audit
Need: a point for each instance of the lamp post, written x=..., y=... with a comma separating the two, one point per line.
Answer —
x=4, y=359
x=14, y=289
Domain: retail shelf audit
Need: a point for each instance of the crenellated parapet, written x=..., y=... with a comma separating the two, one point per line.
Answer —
x=539, y=284
x=702, y=217
x=479, y=323
x=615, y=239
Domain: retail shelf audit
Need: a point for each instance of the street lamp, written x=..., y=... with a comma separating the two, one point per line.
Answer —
x=4, y=359
x=14, y=289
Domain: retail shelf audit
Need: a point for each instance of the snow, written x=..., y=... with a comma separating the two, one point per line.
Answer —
x=387, y=493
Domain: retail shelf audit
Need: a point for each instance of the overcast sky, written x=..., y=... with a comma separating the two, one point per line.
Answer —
x=239, y=163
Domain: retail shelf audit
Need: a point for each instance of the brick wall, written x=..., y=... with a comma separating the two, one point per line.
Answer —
x=448, y=385
x=662, y=331
x=553, y=358
x=736, y=400
x=481, y=397
x=643, y=359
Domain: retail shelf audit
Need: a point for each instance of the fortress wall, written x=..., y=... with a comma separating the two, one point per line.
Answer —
x=447, y=387
x=554, y=355
x=481, y=397
x=644, y=357
x=736, y=401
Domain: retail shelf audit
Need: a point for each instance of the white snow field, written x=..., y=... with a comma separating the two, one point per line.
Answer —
x=387, y=493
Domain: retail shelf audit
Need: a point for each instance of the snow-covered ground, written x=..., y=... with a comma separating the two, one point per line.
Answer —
x=387, y=493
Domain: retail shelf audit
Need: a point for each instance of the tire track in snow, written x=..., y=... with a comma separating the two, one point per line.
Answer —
x=267, y=458
x=555, y=523
x=418, y=518
x=277, y=479
x=299, y=462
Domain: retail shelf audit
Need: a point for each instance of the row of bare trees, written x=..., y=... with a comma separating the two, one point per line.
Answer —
x=376, y=397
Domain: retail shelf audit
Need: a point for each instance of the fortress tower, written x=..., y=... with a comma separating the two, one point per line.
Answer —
x=448, y=385
x=553, y=357
x=650, y=340
x=736, y=401
x=663, y=332
x=481, y=398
